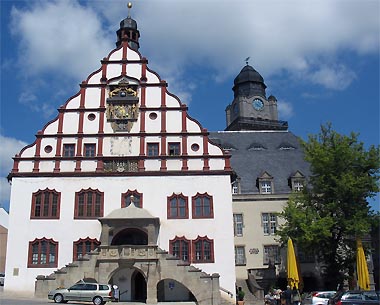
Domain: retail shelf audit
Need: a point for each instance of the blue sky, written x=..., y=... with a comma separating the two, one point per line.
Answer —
x=319, y=58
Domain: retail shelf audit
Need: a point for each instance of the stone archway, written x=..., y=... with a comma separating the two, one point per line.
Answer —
x=138, y=287
x=169, y=290
x=130, y=236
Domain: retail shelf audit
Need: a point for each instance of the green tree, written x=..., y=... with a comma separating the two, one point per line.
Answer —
x=332, y=210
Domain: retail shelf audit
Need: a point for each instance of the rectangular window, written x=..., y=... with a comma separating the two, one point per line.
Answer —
x=174, y=149
x=203, y=251
x=271, y=254
x=202, y=206
x=240, y=255
x=266, y=187
x=238, y=224
x=152, y=149
x=68, y=150
x=269, y=221
x=297, y=185
x=89, y=150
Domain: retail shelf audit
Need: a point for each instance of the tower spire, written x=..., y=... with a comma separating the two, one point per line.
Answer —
x=128, y=31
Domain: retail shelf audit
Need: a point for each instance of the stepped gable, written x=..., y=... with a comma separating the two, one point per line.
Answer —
x=120, y=104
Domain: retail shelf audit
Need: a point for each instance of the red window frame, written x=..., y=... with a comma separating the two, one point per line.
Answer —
x=174, y=203
x=202, y=206
x=43, y=253
x=89, y=204
x=180, y=247
x=89, y=150
x=68, y=150
x=126, y=199
x=45, y=204
x=83, y=246
x=152, y=149
x=174, y=148
x=203, y=250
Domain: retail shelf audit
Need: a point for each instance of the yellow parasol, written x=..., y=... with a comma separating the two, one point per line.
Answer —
x=361, y=267
x=293, y=277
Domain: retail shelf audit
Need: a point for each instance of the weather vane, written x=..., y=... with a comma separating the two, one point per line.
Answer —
x=129, y=9
x=247, y=59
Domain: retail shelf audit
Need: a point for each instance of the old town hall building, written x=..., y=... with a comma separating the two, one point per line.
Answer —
x=124, y=187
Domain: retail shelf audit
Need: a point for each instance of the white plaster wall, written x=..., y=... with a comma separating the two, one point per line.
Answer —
x=132, y=55
x=95, y=79
x=29, y=152
x=47, y=166
x=92, y=99
x=153, y=97
x=153, y=125
x=70, y=123
x=173, y=121
x=151, y=78
x=114, y=70
x=72, y=104
x=52, y=128
x=171, y=101
x=48, y=141
x=194, y=164
x=67, y=166
x=155, y=191
x=117, y=55
x=25, y=166
x=134, y=70
x=91, y=126
x=192, y=126
x=152, y=165
x=88, y=166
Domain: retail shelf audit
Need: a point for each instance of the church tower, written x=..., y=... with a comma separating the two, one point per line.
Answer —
x=251, y=109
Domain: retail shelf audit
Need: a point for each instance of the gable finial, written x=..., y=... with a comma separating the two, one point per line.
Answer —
x=247, y=59
x=129, y=9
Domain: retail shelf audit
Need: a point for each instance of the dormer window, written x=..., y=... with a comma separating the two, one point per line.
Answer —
x=297, y=181
x=265, y=183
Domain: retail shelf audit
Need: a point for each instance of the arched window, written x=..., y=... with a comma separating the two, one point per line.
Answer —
x=45, y=204
x=203, y=250
x=83, y=246
x=43, y=253
x=180, y=248
x=89, y=204
x=134, y=196
x=177, y=207
x=202, y=206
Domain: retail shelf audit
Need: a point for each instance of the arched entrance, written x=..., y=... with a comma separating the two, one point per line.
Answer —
x=138, y=288
x=169, y=290
x=130, y=236
x=131, y=283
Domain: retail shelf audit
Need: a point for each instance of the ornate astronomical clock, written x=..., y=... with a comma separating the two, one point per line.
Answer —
x=122, y=106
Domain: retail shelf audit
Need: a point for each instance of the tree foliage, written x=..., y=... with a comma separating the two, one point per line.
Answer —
x=332, y=211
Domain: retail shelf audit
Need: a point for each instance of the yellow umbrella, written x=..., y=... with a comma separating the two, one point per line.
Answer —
x=293, y=277
x=361, y=267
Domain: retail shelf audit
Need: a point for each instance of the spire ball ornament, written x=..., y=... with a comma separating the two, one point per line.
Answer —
x=129, y=5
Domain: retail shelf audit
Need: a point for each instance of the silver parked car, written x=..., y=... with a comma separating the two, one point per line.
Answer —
x=318, y=298
x=96, y=293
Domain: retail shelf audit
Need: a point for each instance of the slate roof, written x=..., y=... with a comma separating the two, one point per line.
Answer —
x=254, y=152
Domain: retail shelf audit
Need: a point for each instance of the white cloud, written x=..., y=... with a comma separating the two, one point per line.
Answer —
x=285, y=110
x=68, y=38
x=9, y=147
x=337, y=77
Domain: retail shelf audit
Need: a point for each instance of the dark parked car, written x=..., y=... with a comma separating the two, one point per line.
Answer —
x=355, y=297
x=96, y=293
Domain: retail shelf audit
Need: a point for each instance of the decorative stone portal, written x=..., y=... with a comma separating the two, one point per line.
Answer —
x=129, y=257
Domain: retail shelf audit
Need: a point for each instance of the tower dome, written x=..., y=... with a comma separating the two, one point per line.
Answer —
x=128, y=31
x=249, y=82
x=248, y=74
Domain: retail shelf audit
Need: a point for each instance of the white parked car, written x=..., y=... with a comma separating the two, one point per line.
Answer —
x=96, y=293
x=318, y=298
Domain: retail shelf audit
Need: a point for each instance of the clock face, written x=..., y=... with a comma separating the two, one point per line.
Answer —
x=258, y=104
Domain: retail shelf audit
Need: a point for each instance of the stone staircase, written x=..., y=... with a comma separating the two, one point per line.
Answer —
x=249, y=297
x=159, y=264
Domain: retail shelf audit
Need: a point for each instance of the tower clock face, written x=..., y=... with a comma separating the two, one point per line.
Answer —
x=258, y=104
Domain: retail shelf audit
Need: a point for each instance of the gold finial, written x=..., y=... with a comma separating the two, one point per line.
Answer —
x=129, y=9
